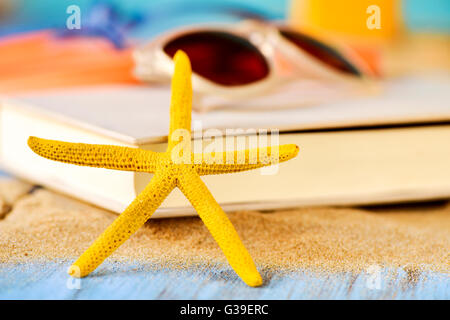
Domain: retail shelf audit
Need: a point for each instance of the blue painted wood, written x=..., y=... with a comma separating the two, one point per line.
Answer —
x=48, y=280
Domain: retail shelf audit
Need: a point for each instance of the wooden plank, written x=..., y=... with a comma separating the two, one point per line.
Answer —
x=48, y=280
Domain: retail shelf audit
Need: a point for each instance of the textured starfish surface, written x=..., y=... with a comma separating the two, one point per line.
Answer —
x=168, y=173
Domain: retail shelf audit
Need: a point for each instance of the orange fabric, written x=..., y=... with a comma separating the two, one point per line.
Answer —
x=41, y=61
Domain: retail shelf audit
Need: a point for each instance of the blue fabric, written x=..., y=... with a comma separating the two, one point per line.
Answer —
x=423, y=15
x=144, y=19
x=151, y=17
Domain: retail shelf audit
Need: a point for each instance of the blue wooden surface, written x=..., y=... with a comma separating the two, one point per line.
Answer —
x=48, y=280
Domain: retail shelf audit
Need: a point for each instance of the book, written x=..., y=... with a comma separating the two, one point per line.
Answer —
x=390, y=148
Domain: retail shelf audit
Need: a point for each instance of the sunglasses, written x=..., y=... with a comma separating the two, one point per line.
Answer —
x=249, y=59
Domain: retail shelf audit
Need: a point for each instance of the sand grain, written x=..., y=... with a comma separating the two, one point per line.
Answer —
x=46, y=225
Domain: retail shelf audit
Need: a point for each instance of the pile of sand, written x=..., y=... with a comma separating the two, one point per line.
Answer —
x=46, y=225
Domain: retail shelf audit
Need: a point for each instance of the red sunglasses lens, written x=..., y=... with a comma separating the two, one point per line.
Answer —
x=221, y=57
x=320, y=51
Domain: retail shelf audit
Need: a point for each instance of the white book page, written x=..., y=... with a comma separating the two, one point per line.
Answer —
x=140, y=114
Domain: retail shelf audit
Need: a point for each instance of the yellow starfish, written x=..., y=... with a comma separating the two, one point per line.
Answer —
x=168, y=174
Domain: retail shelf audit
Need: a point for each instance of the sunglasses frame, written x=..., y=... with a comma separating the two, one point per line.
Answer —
x=286, y=62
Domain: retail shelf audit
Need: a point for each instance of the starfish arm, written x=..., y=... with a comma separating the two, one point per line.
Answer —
x=243, y=160
x=181, y=102
x=95, y=155
x=134, y=216
x=220, y=227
